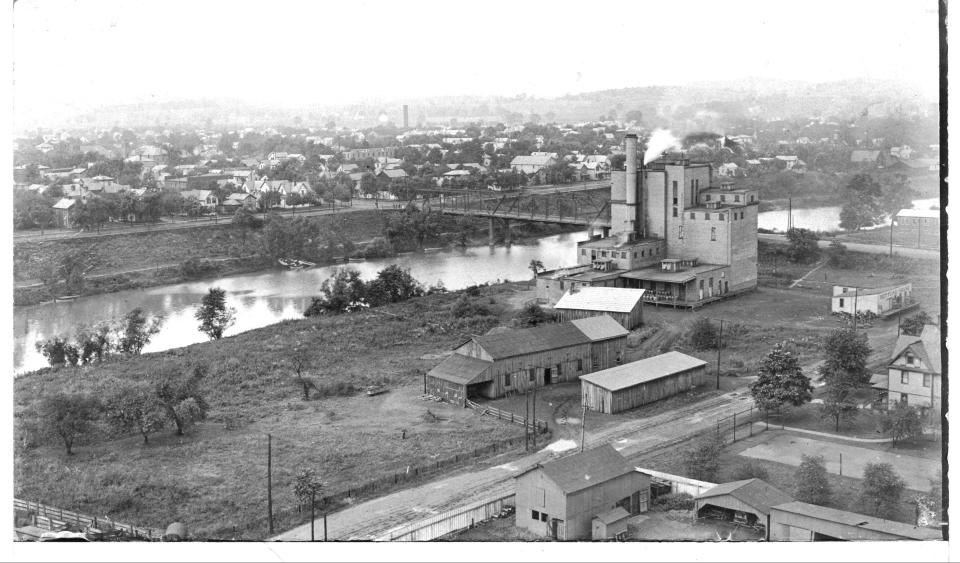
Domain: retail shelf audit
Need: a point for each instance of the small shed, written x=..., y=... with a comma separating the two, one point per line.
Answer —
x=625, y=305
x=745, y=502
x=455, y=377
x=631, y=385
x=876, y=300
x=608, y=525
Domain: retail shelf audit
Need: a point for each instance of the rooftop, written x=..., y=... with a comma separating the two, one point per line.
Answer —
x=860, y=520
x=654, y=273
x=601, y=327
x=754, y=492
x=612, y=299
x=586, y=469
x=616, y=242
x=642, y=371
x=462, y=369
x=928, y=213
x=531, y=340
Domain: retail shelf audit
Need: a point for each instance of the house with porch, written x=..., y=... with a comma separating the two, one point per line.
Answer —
x=914, y=372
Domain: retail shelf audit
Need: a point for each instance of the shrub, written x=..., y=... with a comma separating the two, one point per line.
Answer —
x=749, y=470
x=674, y=501
x=702, y=334
x=464, y=307
x=197, y=268
x=810, y=481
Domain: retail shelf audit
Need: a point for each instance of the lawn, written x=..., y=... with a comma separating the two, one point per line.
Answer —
x=214, y=478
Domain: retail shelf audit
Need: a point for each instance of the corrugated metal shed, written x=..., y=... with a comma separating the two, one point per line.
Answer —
x=601, y=327
x=643, y=371
x=586, y=469
x=531, y=340
x=462, y=369
x=614, y=299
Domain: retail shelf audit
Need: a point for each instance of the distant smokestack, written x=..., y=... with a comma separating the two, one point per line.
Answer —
x=631, y=163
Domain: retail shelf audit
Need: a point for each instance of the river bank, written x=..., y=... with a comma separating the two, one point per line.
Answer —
x=142, y=260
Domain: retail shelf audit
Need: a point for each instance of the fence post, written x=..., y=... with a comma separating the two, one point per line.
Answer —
x=734, y=427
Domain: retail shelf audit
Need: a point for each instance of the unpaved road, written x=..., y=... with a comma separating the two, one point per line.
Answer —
x=374, y=518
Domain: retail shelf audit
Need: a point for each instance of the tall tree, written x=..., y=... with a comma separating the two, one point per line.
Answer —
x=803, y=245
x=880, y=490
x=136, y=331
x=844, y=371
x=810, y=481
x=903, y=422
x=214, y=315
x=181, y=398
x=535, y=266
x=135, y=407
x=781, y=381
x=863, y=206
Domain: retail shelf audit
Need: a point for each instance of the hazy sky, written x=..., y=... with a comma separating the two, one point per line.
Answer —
x=77, y=54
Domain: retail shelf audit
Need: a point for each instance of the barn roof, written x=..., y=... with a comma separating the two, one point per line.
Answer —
x=64, y=203
x=928, y=213
x=531, y=340
x=611, y=299
x=462, y=369
x=642, y=371
x=602, y=327
x=753, y=492
x=859, y=520
x=586, y=469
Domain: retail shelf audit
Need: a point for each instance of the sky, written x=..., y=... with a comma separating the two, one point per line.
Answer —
x=73, y=55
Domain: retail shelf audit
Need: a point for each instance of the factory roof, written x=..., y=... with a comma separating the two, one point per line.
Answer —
x=611, y=299
x=643, y=371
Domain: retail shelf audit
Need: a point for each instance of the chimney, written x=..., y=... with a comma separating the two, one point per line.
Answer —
x=632, y=196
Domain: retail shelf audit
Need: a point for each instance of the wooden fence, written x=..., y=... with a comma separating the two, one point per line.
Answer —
x=739, y=425
x=54, y=518
x=677, y=483
x=449, y=522
x=539, y=424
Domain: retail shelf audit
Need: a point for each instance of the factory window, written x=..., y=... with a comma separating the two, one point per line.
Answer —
x=927, y=379
x=680, y=231
x=506, y=380
x=707, y=198
x=693, y=215
x=741, y=214
x=674, y=211
x=643, y=253
x=698, y=183
x=841, y=302
x=736, y=198
x=713, y=233
x=634, y=254
x=905, y=377
x=674, y=188
x=532, y=374
x=543, y=516
x=721, y=217
x=603, y=253
x=583, y=252
x=535, y=515
x=751, y=198
x=579, y=364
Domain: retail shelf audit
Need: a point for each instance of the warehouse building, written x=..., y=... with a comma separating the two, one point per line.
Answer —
x=631, y=385
x=573, y=497
x=516, y=360
x=624, y=305
x=800, y=521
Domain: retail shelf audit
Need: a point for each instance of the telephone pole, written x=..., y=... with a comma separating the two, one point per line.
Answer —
x=719, y=344
x=270, y=481
x=583, y=425
x=856, y=292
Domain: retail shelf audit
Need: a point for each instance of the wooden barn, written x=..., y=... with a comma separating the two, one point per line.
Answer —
x=625, y=305
x=631, y=385
x=562, y=499
x=515, y=360
x=746, y=502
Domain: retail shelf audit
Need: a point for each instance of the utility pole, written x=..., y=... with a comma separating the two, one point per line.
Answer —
x=789, y=214
x=270, y=481
x=583, y=425
x=856, y=292
x=719, y=344
x=534, y=412
x=526, y=422
x=893, y=221
x=312, y=516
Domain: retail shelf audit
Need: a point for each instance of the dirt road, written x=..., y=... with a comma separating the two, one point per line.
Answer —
x=374, y=518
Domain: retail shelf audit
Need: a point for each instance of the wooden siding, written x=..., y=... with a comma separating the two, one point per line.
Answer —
x=731, y=503
x=588, y=357
x=601, y=400
x=629, y=320
x=447, y=390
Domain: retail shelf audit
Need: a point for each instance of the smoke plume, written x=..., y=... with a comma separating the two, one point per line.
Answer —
x=661, y=140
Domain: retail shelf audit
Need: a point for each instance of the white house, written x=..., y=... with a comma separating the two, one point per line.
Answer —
x=878, y=300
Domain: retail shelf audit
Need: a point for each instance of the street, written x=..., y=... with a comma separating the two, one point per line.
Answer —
x=374, y=518
x=868, y=248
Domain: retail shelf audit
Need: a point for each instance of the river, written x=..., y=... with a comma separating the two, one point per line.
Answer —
x=268, y=297
x=265, y=298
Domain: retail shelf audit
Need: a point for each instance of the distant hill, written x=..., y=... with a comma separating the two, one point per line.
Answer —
x=708, y=105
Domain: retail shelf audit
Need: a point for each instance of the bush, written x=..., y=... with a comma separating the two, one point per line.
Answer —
x=837, y=255
x=464, y=307
x=533, y=314
x=674, y=501
x=749, y=470
x=197, y=268
x=703, y=334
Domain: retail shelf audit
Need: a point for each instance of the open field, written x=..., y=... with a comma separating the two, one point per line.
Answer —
x=213, y=478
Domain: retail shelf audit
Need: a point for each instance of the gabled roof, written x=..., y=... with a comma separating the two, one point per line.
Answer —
x=642, y=371
x=754, y=492
x=237, y=197
x=531, y=340
x=601, y=327
x=65, y=203
x=612, y=299
x=586, y=469
x=614, y=515
x=462, y=369
x=394, y=173
x=864, y=156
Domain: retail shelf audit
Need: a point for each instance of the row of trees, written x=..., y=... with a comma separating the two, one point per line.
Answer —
x=346, y=291
x=142, y=407
x=869, y=201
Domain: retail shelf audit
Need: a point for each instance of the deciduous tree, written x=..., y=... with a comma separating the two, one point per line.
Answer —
x=903, y=422
x=810, y=481
x=136, y=330
x=880, y=490
x=781, y=381
x=214, y=315
x=181, y=398
x=68, y=417
x=135, y=407
x=803, y=245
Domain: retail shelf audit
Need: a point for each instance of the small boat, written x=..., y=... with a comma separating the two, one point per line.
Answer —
x=295, y=264
x=357, y=260
x=375, y=390
x=65, y=298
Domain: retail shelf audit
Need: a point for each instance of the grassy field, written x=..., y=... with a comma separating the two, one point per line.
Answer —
x=213, y=478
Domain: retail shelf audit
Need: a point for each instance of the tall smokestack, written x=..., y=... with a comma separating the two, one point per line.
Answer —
x=631, y=163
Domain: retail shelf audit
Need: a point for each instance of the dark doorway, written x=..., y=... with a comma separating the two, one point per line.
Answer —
x=817, y=536
x=547, y=376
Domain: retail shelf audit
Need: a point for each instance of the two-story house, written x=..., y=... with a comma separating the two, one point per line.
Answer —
x=914, y=370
